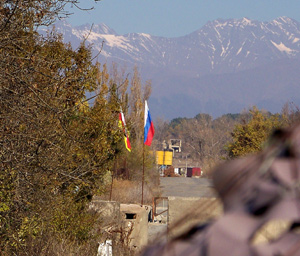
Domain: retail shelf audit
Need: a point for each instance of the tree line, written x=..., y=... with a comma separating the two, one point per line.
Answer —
x=210, y=141
x=56, y=148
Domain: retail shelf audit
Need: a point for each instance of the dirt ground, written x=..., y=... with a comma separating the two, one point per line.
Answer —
x=186, y=187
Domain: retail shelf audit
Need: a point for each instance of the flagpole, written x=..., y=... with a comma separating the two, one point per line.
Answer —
x=148, y=136
x=111, y=185
x=143, y=174
x=112, y=180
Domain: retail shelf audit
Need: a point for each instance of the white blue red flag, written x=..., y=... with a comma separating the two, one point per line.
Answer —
x=148, y=127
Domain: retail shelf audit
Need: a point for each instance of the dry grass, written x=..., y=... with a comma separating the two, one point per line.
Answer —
x=130, y=192
x=49, y=245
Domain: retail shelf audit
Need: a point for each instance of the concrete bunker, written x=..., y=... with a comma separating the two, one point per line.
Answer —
x=135, y=223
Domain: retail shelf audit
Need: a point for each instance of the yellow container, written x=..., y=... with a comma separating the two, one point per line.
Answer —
x=160, y=157
x=168, y=158
x=164, y=157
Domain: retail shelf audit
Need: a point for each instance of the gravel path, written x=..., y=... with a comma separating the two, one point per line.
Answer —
x=186, y=187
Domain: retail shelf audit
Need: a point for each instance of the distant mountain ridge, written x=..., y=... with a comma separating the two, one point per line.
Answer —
x=224, y=67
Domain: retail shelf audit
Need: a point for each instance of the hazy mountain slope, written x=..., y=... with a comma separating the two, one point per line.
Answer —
x=268, y=87
x=223, y=67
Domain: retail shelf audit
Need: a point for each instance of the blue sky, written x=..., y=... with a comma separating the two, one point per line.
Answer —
x=172, y=18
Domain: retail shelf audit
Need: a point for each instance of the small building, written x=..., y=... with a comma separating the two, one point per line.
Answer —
x=121, y=222
x=193, y=172
x=175, y=145
x=135, y=222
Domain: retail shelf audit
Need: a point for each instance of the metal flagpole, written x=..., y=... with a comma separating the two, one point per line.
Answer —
x=112, y=180
x=111, y=185
x=143, y=173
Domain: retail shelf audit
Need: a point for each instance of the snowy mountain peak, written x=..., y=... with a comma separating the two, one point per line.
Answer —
x=246, y=21
x=222, y=45
x=97, y=28
x=208, y=67
x=222, y=23
x=145, y=35
x=284, y=19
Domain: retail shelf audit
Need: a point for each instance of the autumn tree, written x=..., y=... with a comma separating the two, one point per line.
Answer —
x=250, y=136
x=55, y=149
x=290, y=114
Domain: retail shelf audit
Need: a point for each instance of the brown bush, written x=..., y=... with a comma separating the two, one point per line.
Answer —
x=170, y=172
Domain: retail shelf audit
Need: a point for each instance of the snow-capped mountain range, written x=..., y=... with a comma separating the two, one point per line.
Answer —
x=224, y=67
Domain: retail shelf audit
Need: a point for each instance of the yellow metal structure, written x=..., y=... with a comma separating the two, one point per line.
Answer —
x=164, y=157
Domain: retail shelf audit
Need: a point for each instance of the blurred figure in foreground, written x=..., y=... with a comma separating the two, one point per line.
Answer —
x=254, y=190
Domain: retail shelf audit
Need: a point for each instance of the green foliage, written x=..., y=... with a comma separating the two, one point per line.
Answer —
x=177, y=121
x=203, y=118
x=249, y=137
x=232, y=116
x=54, y=148
x=69, y=220
x=7, y=187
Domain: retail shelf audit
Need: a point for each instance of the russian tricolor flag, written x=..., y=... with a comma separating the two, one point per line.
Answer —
x=148, y=127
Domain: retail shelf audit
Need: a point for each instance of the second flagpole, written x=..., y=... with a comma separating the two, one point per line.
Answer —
x=143, y=174
x=148, y=136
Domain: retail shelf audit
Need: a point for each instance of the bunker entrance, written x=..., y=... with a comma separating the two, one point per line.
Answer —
x=130, y=216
